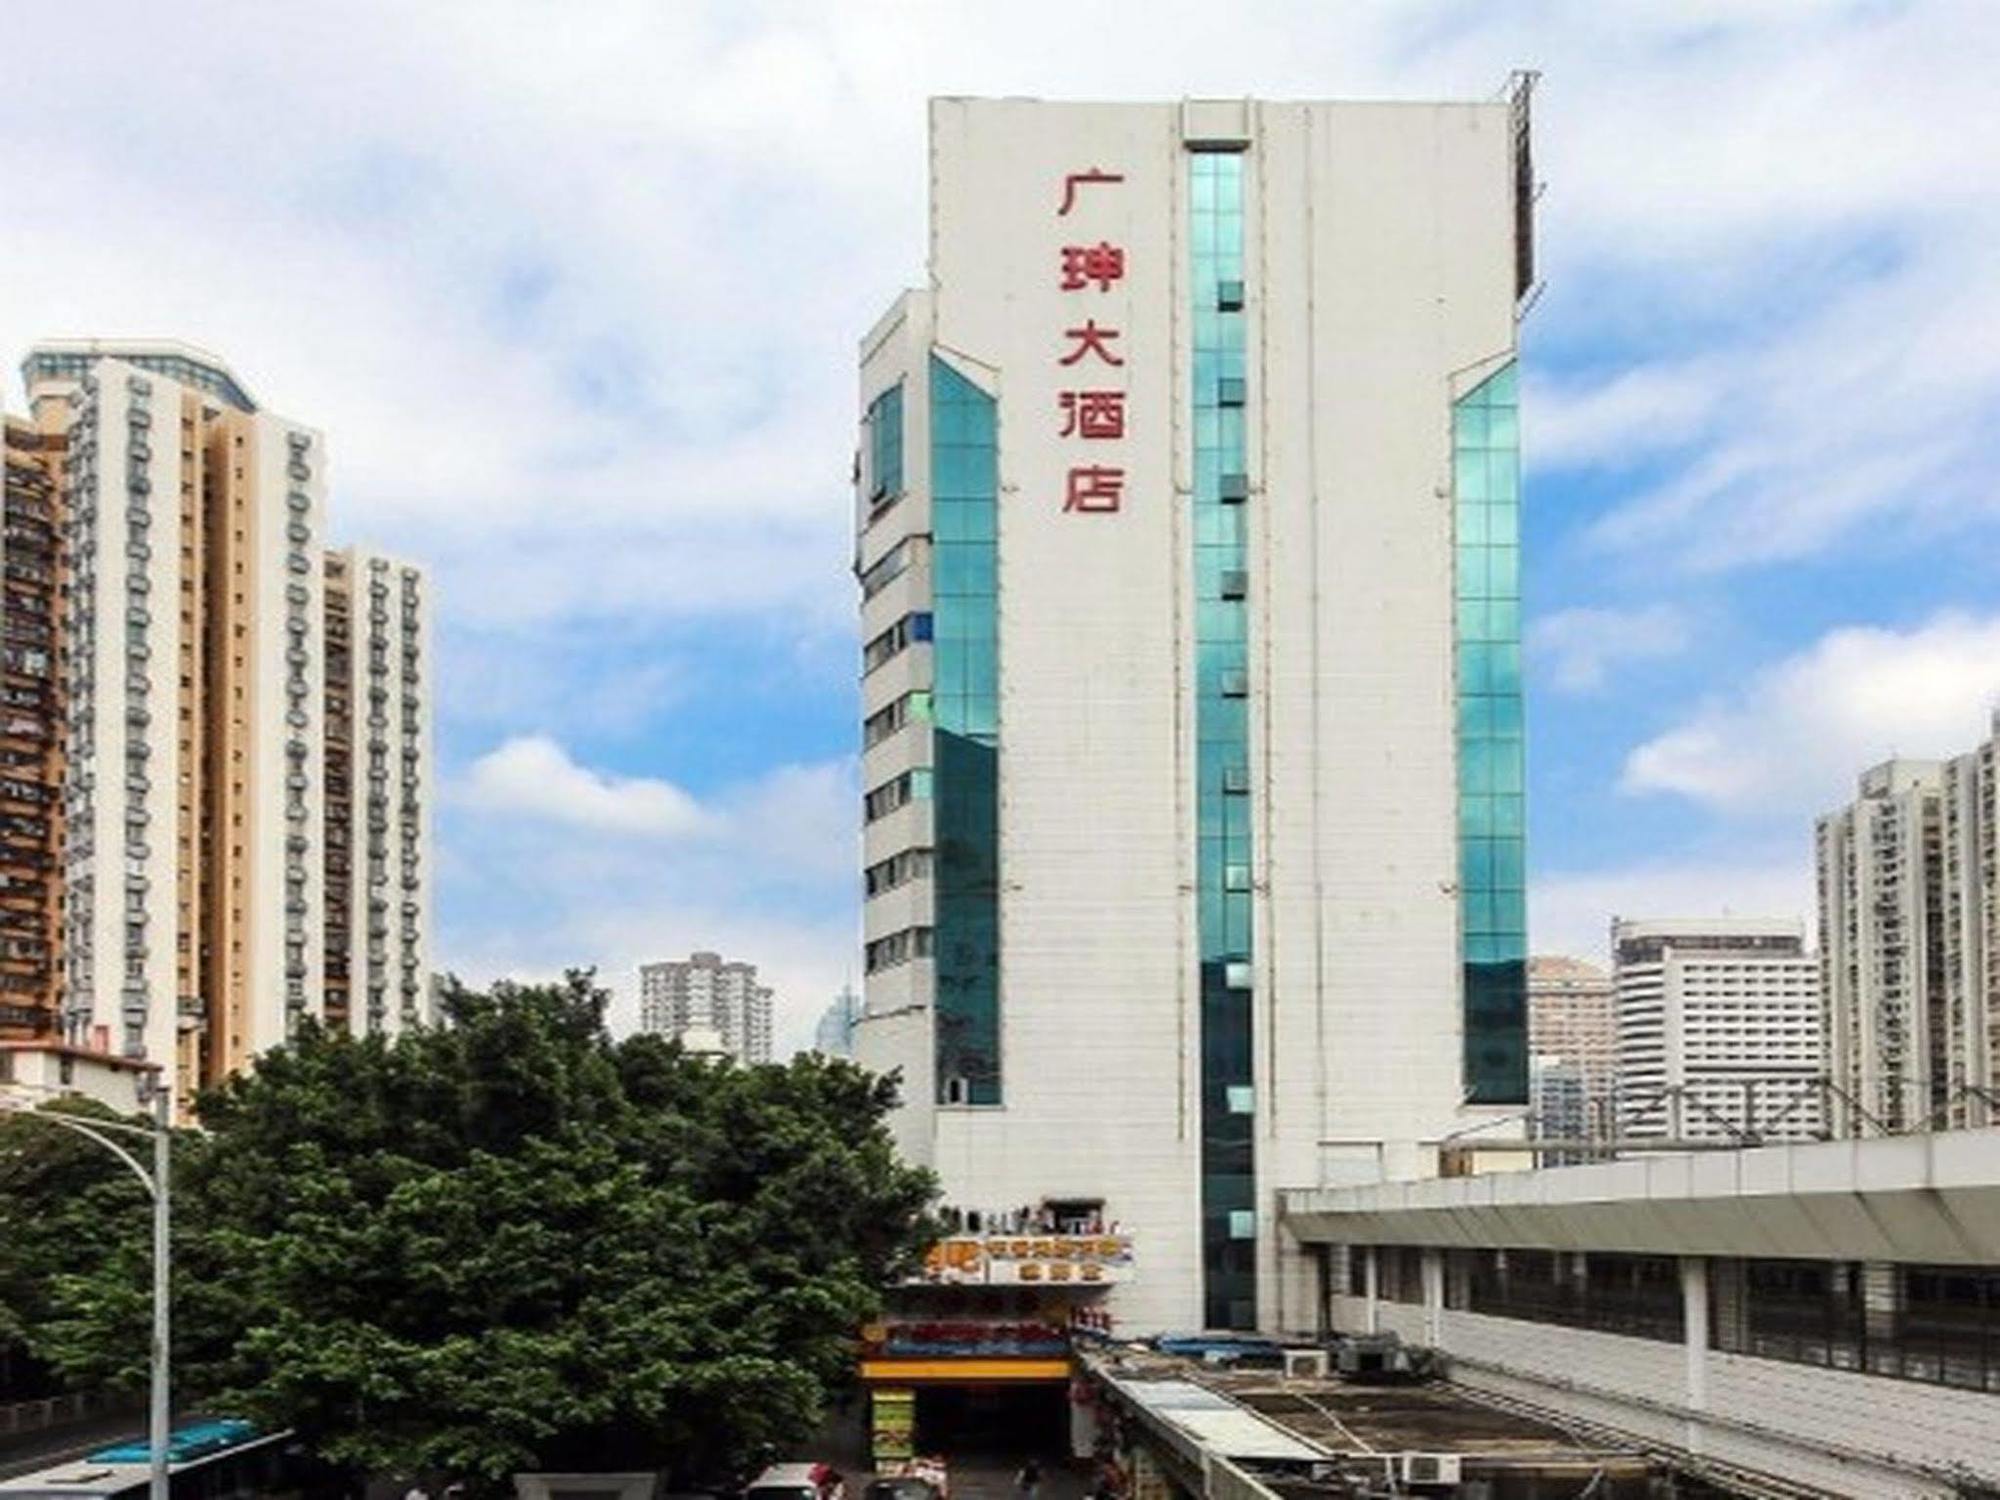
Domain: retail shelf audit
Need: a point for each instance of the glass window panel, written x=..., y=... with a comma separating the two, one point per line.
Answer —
x=1470, y=481
x=1475, y=715
x=1475, y=666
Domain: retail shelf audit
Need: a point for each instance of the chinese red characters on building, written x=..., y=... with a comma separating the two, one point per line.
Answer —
x=1092, y=414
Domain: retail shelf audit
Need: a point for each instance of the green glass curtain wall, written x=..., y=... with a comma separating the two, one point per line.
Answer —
x=1223, y=854
x=885, y=444
x=1491, y=757
x=965, y=734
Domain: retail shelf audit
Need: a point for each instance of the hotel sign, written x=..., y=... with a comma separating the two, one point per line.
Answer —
x=1031, y=1260
x=1091, y=413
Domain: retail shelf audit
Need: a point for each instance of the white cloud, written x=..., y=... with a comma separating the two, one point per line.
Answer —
x=1570, y=912
x=577, y=304
x=1576, y=648
x=1790, y=741
x=565, y=866
x=533, y=777
x=1619, y=421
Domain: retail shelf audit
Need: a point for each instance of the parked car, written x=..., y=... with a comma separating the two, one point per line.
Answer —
x=798, y=1482
x=900, y=1487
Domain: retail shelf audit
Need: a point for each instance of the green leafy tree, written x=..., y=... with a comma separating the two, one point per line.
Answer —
x=67, y=1208
x=512, y=1243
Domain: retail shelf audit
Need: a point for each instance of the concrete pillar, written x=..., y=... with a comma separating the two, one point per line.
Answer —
x=1694, y=1318
x=1373, y=1287
x=1434, y=1298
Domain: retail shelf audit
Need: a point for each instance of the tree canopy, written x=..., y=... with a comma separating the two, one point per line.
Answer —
x=510, y=1242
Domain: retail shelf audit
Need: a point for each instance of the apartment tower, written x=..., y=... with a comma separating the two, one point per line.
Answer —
x=707, y=993
x=1909, y=910
x=378, y=828
x=31, y=749
x=1573, y=1037
x=195, y=826
x=1187, y=541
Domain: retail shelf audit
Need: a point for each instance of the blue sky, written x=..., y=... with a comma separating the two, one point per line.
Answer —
x=574, y=291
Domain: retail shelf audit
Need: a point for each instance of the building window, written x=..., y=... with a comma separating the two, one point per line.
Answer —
x=886, y=569
x=965, y=735
x=899, y=637
x=1492, y=858
x=898, y=948
x=1806, y=1311
x=1399, y=1273
x=884, y=425
x=1635, y=1295
x=1224, y=854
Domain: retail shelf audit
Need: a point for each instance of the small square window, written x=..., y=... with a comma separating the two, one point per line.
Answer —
x=1230, y=390
x=1242, y=1099
x=1235, y=683
x=1243, y=1223
x=1229, y=296
x=1236, y=973
x=1235, y=583
x=1236, y=779
x=1236, y=877
x=1235, y=488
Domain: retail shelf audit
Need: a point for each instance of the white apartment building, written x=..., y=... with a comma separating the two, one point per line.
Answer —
x=704, y=993
x=1720, y=1034
x=1187, y=537
x=1909, y=898
x=378, y=754
x=196, y=825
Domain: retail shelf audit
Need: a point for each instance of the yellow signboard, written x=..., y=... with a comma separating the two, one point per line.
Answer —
x=1031, y=1260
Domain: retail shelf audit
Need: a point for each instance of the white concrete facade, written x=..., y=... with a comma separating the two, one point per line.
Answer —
x=1931, y=1201
x=1379, y=253
x=1720, y=1031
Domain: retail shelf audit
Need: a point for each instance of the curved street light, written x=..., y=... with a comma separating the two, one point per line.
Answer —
x=156, y=1183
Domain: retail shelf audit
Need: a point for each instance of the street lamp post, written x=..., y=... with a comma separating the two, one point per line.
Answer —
x=160, y=1414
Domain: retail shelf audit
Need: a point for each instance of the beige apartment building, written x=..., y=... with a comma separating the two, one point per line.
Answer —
x=1572, y=1026
x=191, y=662
x=1909, y=910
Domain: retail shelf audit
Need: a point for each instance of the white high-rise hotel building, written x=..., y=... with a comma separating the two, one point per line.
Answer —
x=1188, y=547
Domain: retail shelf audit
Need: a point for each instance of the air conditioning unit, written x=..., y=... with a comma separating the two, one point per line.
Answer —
x=1305, y=1364
x=1437, y=1470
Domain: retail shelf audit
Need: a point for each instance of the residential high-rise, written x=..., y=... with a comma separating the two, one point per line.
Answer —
x=378, y=739
x=1720, y=1036
x=31, y=718
x=1572, y=1021
x=194, y=828
x=704, y=993
x=1187, y=539
x=1909, y=903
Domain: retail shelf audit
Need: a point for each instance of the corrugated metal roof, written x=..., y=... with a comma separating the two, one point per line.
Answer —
x=1216, y=1423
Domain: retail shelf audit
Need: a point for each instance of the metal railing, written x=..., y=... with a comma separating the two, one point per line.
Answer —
x=60, y=1411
